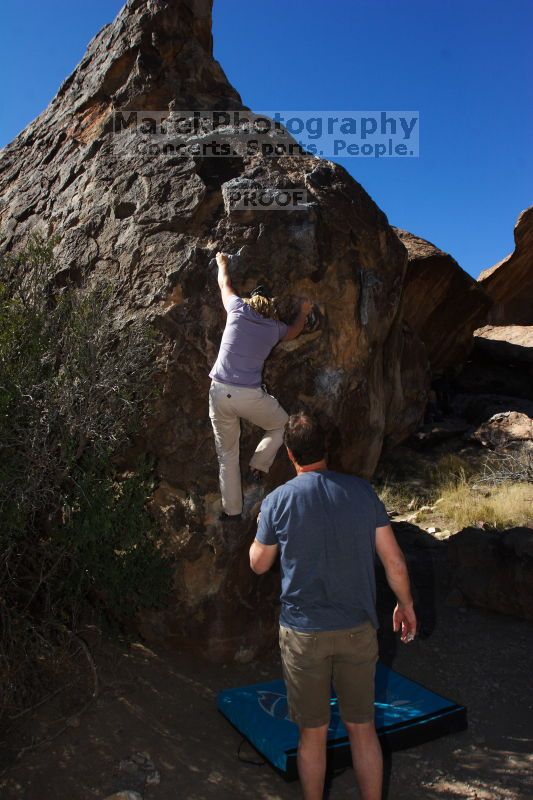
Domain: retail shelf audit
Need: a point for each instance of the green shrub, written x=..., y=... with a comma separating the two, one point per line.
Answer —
x=112, y=557
x=76, y=539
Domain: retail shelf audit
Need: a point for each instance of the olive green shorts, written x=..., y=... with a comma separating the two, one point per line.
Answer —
x=313, y=661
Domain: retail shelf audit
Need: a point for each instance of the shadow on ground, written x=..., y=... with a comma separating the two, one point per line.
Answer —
x=162, y=704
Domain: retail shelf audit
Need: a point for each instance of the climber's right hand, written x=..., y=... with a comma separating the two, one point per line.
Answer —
x=306, y=306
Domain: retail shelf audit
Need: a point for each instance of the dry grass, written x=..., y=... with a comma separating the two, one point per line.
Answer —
x=506, y=505
x=450, y=468
x=421, y=484
x=454, y=492
x=398, y=497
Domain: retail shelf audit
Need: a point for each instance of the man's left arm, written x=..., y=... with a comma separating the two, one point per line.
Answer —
x=264, y=549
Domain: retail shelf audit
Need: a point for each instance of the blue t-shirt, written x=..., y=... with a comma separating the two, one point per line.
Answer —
x=247, y=340
x=325, y=524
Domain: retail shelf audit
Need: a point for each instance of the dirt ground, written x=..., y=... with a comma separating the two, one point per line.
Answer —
x=163, y=705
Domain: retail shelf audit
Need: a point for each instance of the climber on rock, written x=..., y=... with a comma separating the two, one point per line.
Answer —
x=236, y=392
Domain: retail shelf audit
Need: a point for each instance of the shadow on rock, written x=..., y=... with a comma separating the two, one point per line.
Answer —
x=425, y=558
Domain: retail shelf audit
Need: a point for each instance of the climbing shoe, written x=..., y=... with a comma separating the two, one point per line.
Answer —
x=254, y=475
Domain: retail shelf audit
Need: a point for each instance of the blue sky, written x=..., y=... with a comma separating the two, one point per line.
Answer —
x=465, y=65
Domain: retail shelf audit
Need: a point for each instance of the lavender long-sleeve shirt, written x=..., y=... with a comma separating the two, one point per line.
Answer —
x=246, y=342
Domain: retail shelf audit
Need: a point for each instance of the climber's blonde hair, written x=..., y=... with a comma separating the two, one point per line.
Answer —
x=263, y=306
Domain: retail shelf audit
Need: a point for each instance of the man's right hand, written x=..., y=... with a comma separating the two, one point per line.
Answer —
x=404, y=620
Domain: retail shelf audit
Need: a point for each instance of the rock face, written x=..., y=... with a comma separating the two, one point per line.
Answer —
x=505, y=428
x=494, y=569
x=150, y=222
x=478, y=408
x=510, y=282
x=505, y=343
x=443, y=304
x=501, y=362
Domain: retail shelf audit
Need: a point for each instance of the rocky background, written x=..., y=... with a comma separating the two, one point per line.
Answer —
x=392, y=312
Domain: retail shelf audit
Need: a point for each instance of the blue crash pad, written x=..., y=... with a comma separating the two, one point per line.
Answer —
x=406, y=714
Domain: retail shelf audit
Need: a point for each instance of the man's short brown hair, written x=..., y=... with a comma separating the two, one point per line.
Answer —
x=305, y=439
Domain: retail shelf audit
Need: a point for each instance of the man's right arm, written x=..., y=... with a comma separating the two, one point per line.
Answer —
x=393, y=561
x=265, y=547
x=298, y=325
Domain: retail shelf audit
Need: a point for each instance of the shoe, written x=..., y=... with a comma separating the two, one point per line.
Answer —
x=254, y=475
x=223, y=517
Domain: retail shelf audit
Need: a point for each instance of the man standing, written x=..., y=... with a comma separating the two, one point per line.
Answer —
x=328, y=527
x=236, y=391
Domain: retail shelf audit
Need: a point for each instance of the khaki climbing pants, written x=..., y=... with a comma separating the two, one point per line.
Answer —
x=227, y=406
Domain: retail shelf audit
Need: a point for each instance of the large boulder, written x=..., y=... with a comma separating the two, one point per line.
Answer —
x=443, y=304
x=478, y=408
x=494, y=569
x=150, y=219
x=509, y=283
x=505, y=428
x=501, y=362
x=505, y=344
x=502, y=357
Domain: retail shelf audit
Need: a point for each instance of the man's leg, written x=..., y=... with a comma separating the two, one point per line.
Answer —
x=307, y=673
x=227, y=431
x=367, y=758
x=264, y=411
x=312, y=761
x=354, y=666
